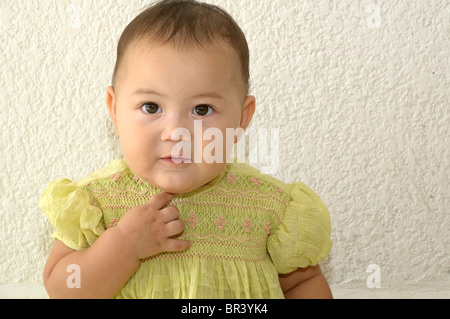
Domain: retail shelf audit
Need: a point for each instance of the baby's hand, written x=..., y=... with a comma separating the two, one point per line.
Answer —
x=149, y=227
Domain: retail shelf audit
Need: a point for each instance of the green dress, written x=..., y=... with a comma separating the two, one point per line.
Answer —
x=246, y=228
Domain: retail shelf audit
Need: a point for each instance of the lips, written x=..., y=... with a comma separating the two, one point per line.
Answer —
x=176, y=160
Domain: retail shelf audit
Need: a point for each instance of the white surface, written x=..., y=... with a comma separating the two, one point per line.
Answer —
x=409, y=292
x=359, y=91
x=348, y=291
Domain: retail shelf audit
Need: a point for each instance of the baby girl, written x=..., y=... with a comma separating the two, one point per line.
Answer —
x=157, y=224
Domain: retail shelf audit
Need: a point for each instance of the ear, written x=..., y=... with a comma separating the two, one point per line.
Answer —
x=248, y=109
x=111, y=102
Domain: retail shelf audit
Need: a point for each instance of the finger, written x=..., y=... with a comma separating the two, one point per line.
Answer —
x=178, y=245
x=160, y=200
x=169, y=214
x=174, y=228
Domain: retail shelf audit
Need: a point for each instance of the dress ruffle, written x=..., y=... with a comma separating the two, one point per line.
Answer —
x=77, y=223
x=303, y=239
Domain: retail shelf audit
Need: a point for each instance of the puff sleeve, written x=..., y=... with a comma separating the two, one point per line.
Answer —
x=77, y=223
x=304, y=237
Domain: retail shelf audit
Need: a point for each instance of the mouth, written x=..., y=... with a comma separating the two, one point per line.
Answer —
x=175, y=160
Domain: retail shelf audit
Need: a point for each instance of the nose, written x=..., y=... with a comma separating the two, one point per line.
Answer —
x=175, y=128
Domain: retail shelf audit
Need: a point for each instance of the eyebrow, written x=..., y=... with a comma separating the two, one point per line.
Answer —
x=146, y=92
x=214, y=95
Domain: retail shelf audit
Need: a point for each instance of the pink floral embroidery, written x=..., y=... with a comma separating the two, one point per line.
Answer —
x=268, y=228
x=247, y=225
x=116, y=177
x=231, y=178
x=192, y=220
x=280, y=190
x=137, y=179
x=112, y=222
x=221, y=223
x=255, y=181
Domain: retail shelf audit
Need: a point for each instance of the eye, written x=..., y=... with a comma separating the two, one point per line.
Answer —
x=151, y=108
x=202, y=110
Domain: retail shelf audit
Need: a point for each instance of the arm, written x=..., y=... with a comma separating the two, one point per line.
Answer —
x=106, y=266
x=305, y=283
x=103, y=268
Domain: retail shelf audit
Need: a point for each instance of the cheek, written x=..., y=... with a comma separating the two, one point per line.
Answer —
x=233, y=118
x=126, y=121
x=132, y=130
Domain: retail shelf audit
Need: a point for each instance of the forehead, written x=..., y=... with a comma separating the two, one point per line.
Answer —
x=212, y=65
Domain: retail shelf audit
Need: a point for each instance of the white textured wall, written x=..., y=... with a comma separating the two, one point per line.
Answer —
x=359, y=90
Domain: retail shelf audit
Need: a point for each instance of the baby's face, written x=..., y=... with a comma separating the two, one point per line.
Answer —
x=161, y=90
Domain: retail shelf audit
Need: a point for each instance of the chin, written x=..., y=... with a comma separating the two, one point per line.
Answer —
x=176, y=190
x=176, y=187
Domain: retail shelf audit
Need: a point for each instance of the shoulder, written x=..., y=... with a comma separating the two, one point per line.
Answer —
x=115, y=169
x=71, y=209
x=251, y=177
x=61, y=192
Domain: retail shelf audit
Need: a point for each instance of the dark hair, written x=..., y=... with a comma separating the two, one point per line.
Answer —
x=183, y=23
